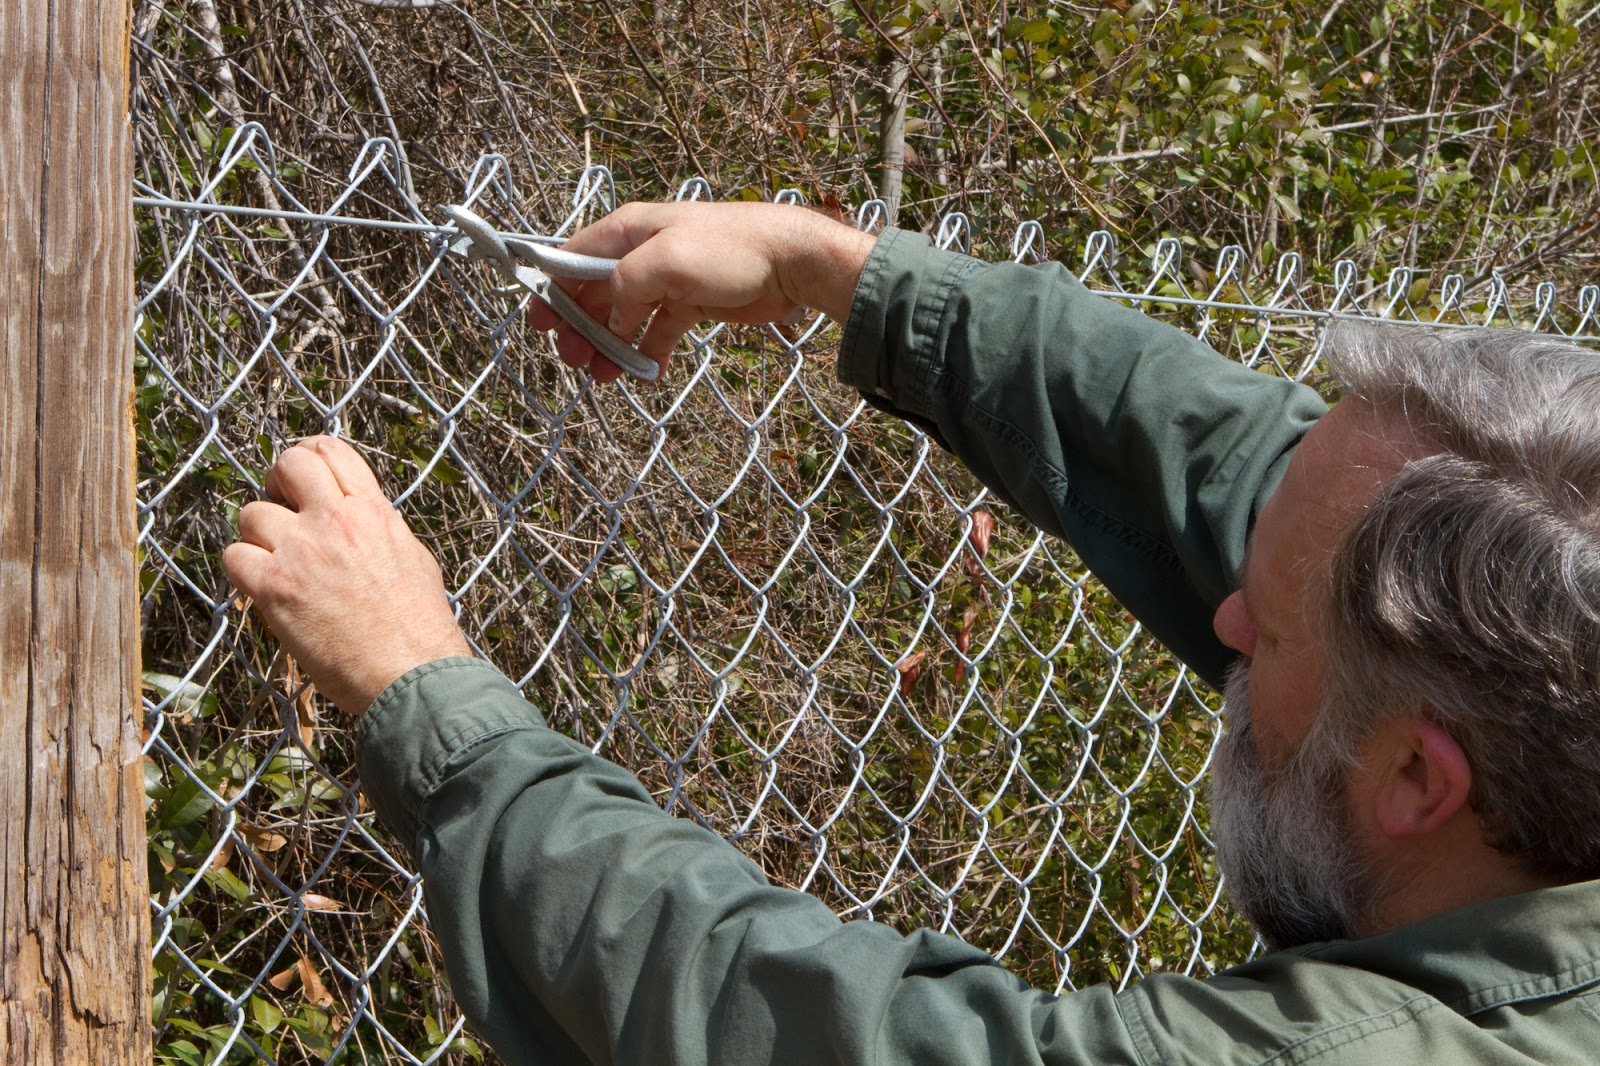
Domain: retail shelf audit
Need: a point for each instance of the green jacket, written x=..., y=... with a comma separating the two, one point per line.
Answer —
x=581, y=923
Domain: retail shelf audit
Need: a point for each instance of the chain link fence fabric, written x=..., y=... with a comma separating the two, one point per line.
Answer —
x=798, y=621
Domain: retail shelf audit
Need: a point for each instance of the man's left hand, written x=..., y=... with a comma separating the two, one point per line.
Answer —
x=341, y=581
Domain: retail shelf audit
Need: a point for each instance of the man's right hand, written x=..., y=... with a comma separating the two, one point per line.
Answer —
x=691, y=262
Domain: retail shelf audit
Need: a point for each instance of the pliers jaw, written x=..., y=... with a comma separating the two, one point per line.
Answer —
x=479, y=241
x=529, y=266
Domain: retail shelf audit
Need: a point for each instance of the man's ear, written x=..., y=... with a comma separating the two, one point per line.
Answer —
x=1422, y=777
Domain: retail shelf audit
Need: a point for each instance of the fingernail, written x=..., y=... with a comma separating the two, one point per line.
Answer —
x=615, y=322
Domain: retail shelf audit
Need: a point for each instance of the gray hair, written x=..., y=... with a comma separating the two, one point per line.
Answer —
x=1470, y=588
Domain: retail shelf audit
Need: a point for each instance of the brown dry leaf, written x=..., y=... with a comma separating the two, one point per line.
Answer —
x=306, y=714
x=315, y=902
x=224, y=855
x=311, y=986
x=261, y=839
x=978, y=537
x=305, y=707
x=964, y=639
x=284, y=980
x=982, y=527
x=910, y=669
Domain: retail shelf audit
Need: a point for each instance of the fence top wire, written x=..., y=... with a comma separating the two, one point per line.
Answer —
x=801, y=626
x=1398, y=297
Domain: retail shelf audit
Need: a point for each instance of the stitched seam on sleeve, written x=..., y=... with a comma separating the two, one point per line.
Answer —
x=433, y=775
x=928, y=322
x=389, y=696
x=1151, y=546
x=871, y=276
x=1139, y=1035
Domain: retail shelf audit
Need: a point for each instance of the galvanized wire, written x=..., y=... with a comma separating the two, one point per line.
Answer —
x=798, y=621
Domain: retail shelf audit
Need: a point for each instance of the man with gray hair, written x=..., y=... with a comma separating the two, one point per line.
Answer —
x=1460, y=606
x=1406, y=798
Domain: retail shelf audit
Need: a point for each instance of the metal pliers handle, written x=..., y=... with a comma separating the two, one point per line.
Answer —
x=532, y=266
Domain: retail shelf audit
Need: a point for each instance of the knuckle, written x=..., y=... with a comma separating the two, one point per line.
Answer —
x=630, y=212
x=291, y=462
x=380, y=510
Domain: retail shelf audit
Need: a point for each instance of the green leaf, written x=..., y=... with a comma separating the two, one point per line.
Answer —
x=223, y=878
x=289, y=761
x=1039, y=31
x=1256, y=56
x=185, y=804
x=619, y=578
x=446, y=474
x=466, y=1046
x=1103, y=25
x=267, y=1015
x=186, y=696
x=180, y=1051
x=208, y=964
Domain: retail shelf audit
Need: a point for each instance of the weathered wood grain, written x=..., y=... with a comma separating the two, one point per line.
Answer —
x=74, y=909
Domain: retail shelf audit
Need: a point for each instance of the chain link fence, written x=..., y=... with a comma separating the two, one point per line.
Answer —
x=798, y=621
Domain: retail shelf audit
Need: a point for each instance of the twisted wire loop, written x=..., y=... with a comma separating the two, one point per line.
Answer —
x=799, y=622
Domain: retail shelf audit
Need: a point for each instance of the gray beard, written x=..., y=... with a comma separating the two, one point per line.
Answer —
x=1283, y=846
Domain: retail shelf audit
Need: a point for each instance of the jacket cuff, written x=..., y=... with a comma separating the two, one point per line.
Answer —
x=430, y=715
x=891, y=346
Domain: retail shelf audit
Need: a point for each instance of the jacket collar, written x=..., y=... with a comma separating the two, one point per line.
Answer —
x=1488, y=955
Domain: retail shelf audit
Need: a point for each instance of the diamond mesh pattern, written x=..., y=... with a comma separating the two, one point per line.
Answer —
x=798, y=621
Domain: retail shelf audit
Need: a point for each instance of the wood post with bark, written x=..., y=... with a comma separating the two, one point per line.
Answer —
x=74, y=903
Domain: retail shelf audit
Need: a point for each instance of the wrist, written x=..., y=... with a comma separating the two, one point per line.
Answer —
x=364, y=688
x=820, y=263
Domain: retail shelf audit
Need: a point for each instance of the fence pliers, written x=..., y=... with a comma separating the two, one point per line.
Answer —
x=532, y=266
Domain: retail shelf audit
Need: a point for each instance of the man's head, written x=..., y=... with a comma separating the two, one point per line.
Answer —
x=1421, y=618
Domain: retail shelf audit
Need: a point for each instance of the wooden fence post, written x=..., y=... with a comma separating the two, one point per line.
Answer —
x=74, y=902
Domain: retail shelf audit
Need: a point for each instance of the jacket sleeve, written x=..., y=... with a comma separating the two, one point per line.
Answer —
x=581, y=923
x=1147, y=451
